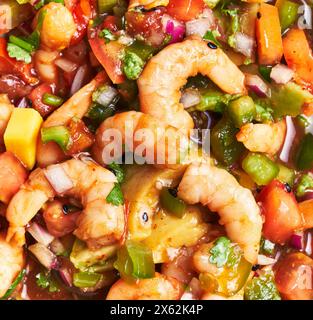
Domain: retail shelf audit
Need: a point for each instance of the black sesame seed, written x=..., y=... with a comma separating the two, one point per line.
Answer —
x=287, y=188
x=212, y=45
x=145, y=217
x=255, y=267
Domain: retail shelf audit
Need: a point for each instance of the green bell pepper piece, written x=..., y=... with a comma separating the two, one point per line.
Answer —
x=242, y=111
x=171, y=203
x=286, y=175
x=288, y=13
x=304, y=159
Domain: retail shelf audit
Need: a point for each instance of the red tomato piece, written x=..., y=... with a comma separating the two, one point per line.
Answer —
x=294, y=277
x=281, y=212
x=185, y=10
x=12, y=174
x=36, y=97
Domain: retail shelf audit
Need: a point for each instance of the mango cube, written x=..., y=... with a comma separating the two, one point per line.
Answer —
x=21, y=134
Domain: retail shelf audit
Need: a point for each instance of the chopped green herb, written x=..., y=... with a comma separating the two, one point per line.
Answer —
x=21, y=43
x=34, y=38
x=133, y=65
x=211, y=35
x=267, y=246
x=45, y=281
x=107, y=35
x=118, y=171
x=223, y=254
x=115, y=197
x=264, y=113
x=265, y=72
x=18, y=53
x=13, y=286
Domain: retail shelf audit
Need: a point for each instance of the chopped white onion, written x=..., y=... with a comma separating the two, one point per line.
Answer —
x=190, y=98
x=105, y=95
x=78, y=79
x=257, y=85
x=44, y=255
x=65, y=64
x=281, y=74
x=57, y=247
x=125, y=40
x=58, y=178
x=289, y=138
x=264, y=260
x=40, y=234
x=198, y=27
x=244, y=44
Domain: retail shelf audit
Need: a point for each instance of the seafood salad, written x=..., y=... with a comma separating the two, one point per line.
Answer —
x=156, y=150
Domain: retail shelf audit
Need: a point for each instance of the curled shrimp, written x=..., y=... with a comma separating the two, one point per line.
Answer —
x=261, y=137
x=139, y=132
x=100, y=223
x=58, y=26
x=147, y=4
x=6, y=109
x=158, y=288
x=220, y=191
x=75, y=107
x=167, y=72
x=11, y=263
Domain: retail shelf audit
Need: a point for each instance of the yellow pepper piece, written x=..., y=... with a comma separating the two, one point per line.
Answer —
x=21, y=134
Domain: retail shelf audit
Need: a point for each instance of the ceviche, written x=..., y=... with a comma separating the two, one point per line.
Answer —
x=156, y=149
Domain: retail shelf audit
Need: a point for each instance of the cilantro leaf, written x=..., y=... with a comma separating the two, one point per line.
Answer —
x=133, y=65
x=211, y=36
x=18, y=53
x=305, y=184
x=118, y=171
x=115, y=197
x=220, y=251
x=107, y=35
x=45, y=281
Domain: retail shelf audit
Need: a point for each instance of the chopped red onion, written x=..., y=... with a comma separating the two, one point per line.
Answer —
x=58, y=178
x=190, y=98
x=174, y=28
x=296, y=241
x=65, y=64
x=78, y=79
x=40, y=234
x=57, y=247
x=66, y=276
x=307, y=196
x=281, y=74
x=44, y=255
x=257, y=85
x=244, y=44
x=308, y=247
x=198, y=26
x=289, y=138
x=22, y=103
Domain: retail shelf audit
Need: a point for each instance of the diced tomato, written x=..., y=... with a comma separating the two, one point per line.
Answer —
x=294, y=277
x=36, y=98
x=111, y=23
x=185, y=10
x=81, y=137
x=306, y=209
x=12, y=175
x=108, y=54
x=12, y=66
x=14, y=87
x=281, y=212
x=58, y=222
x=147, y=25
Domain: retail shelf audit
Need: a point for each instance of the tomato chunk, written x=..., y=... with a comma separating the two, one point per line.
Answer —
x=306, y=209
x=185, y=10
x=12, y=175
x=294, y=277
x=281, y=212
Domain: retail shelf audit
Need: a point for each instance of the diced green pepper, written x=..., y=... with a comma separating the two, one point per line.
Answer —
x=266, y=246
x=86, y=279
x=288, y=13
x=171, y=203
x=242, y=111
x=21, y=43
x=99, y=113
x=52, y=100
x=105, y=6
x=265, y=72
x=305, y=184
x=262, y=288
x=211, y=3
x=304, y=159
x=286, y=175
x=225, y=146
x=58, y=134
x=264, y=113
x=260, y=168
x=135, y=261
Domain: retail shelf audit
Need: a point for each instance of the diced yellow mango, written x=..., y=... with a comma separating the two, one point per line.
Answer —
x=21, y=134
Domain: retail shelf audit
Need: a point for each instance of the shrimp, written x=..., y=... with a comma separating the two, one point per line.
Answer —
x=45, y=67
x=261, y=137
x=140, y=132
x=220, y=191
x=147, y=4
x=6, y=109
x=100, y=223
x=76, y=106
x=158, y=288
x=11, y=263
x=164, y=75
x=58, y=27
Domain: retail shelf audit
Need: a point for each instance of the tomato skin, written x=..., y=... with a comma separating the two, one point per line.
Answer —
x=294, y=277
x=36, y=97
x=185, y=10
x=281, y=212
x=12, y=174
